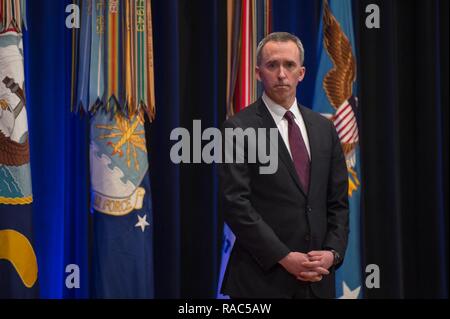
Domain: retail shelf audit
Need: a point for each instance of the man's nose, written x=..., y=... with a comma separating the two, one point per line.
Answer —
x=281, y=73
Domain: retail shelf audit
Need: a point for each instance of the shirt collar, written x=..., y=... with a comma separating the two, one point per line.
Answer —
x=278, y=111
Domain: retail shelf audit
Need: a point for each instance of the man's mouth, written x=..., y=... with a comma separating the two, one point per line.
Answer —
x=282, y=86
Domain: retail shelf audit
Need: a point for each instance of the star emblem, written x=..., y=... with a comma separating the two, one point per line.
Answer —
x=142, y=222
x=348, y=293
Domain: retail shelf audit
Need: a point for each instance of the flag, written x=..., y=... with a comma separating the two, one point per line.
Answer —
x=248, y=22
x=121, y=203
x=335, y=97
x=18, y=262
x=113, y=82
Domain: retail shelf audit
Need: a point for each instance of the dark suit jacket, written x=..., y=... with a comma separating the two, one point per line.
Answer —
x=271, y=215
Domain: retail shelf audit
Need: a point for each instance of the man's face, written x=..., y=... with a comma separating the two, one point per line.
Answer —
x=280, y=71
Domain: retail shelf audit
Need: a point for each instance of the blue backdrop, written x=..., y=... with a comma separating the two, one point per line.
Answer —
x=184, y=198
x=59, y=154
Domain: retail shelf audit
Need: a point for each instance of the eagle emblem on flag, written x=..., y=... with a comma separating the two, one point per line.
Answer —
x=338, y=87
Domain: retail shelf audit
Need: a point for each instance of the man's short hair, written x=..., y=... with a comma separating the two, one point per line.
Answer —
x=280, y=37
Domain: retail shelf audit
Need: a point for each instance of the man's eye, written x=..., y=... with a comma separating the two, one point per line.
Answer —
x=290, y=65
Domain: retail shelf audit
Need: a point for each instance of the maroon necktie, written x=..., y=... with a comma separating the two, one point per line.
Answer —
x=298, y=150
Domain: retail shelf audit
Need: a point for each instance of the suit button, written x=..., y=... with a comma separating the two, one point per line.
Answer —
x=308, y=209
x=307, y=237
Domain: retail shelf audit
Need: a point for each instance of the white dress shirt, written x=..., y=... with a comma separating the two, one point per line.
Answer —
x=277, y=112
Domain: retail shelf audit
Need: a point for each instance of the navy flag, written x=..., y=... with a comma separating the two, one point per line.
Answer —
x=18, y=263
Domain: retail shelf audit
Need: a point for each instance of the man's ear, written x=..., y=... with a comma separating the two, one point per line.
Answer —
x=258, y=75
x=302, y=74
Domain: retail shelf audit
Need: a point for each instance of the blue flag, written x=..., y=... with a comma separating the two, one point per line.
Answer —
x=18, y=262
x=122, y=207
x=335, y=97
x=120, y=185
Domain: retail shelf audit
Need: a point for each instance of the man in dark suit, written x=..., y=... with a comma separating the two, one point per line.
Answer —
x=291, y=227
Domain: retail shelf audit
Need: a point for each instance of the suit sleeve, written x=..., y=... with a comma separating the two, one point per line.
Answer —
x=337, y=199
x=252, y=233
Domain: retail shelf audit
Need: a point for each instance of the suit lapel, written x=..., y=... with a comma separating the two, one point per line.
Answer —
x=266, y=121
